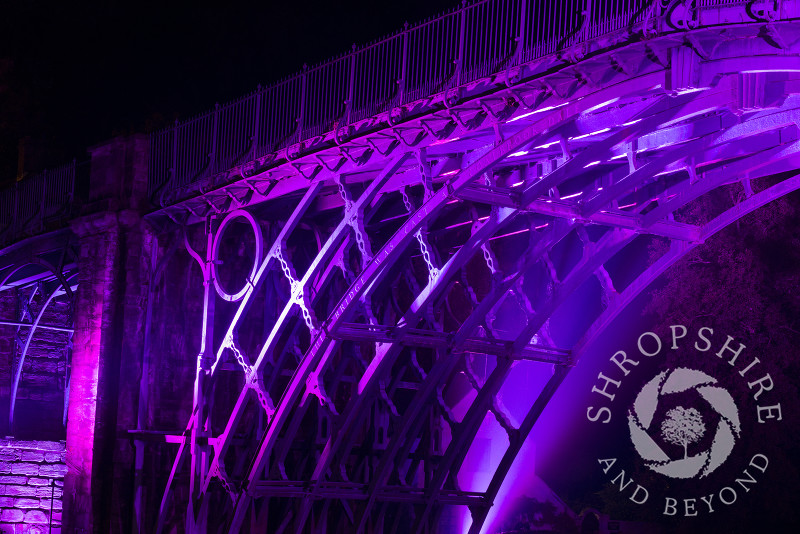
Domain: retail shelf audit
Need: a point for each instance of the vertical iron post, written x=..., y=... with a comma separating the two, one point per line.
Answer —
x=301, y=115
x=350, y=87
x=461, y=36
x=401, y=90
x=174, y=169
x=254, y=140
x=212, y=157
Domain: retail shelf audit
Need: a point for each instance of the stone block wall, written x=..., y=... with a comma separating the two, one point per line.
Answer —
x=31, y=480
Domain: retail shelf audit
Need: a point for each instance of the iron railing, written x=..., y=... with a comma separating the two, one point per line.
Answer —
x=473, y=41
x=37, y=202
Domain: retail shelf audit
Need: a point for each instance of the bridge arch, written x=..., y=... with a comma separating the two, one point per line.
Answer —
x=594, y=164
x=38, y=279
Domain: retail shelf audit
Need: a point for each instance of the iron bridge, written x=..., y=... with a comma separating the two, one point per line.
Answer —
x=381, y=243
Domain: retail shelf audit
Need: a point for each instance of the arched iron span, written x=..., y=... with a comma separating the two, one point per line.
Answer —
x=425, y=234
x=42, y=270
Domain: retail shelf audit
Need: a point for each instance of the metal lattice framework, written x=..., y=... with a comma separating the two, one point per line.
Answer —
x=40, y=275
x=424, y=262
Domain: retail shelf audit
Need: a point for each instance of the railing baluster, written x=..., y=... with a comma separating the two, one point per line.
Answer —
x=403, y=68
x=523, y=27
x=461, y=34
x=174, y=169
x=73, y=177
x=254, y=139
x=15, y=221
x=41, y=201
x=212, y=156
x=301, y=114
x=350, y=82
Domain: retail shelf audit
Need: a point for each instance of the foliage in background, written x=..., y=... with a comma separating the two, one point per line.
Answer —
x=745, y=282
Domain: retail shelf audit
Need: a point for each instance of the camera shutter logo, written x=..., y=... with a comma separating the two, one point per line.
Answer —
x=683, y=426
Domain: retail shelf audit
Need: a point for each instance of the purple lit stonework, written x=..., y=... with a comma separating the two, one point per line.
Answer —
x=524, y=267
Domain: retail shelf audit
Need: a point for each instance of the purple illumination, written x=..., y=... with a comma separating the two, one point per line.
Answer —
x=375, y=297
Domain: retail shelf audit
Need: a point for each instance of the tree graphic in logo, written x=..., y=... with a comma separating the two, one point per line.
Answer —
x=682, y=427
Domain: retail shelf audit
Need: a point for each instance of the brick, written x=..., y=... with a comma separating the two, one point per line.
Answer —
x=19, y=491
x=26, y=503
x=9, y=455
x=44, y=491
x=6, y=502
x=45, y=504
x=32, y=456
x=8, y=479
x=35, y=516
x=12, y=516
x=5, y=467
x=25, y=469
x=54, y=470
x=54, y=457
x=33, y=481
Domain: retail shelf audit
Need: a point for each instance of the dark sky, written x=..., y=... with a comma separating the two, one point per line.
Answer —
x=75, y=73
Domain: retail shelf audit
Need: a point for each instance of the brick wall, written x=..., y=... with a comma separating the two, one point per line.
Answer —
x=31, y=472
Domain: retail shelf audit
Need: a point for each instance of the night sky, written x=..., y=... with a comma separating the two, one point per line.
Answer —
x=74, y=74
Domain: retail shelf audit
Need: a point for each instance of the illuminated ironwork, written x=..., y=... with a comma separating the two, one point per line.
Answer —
x=383, y=246
x=419, y=230
x=41, y=276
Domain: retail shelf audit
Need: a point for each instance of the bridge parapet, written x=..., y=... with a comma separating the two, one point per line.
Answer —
x=470, y=51
x=37, y=203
